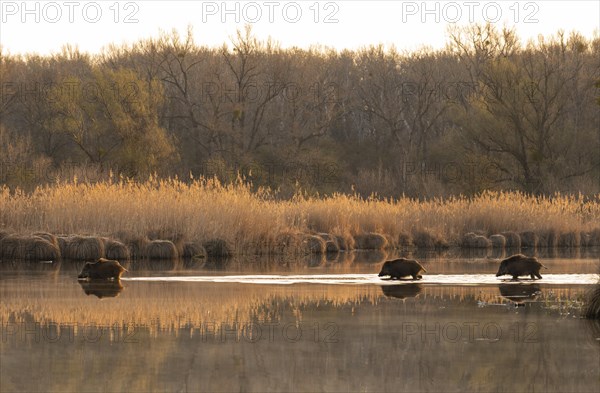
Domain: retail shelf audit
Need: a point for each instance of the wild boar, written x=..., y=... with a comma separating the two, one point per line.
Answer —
x=402, y=267
x=102, y=269
x=520, y=265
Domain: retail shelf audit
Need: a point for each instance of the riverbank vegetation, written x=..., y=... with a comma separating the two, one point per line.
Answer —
x=241, y=220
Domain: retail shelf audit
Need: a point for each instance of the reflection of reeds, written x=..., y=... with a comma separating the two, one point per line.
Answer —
x=171, y=306
x=251, y=220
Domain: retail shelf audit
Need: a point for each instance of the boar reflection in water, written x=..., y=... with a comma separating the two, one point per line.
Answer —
x=103, y=269
x=520, y=293
x=401, y=291
x=101, y=289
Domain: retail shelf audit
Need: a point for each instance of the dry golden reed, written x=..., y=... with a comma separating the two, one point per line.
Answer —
x=205, y=209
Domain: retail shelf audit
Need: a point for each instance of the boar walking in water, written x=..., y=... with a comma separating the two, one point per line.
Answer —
x=402, y=268
x=103, y=269
x=520, y=265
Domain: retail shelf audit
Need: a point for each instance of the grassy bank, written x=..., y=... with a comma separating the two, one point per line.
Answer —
x=256, y=221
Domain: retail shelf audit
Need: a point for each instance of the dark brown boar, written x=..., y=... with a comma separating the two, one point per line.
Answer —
x=402, y=267
x=520, y=265
x=102, y=269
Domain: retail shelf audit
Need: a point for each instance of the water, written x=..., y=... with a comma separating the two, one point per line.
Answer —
x=189, y=326
x=373, y=279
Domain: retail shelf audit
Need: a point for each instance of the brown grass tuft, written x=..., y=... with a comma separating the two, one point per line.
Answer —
x=288, y=243
x=331, y=243
x=594, y=238
x=472, y=240
x=193, y=250
x=426, y=239
x=40, y=249
x=529, y=239
x=569, y=239
x=371, y=241
x=28, y=248
x=48, y=237
x=548, y=238
x=115, y=250
x=405, y=240
x=345, y=242
x=12, y=247
x=82, y=248
x=332, y=247
x=591, y=239
x=498, y=241
x=218, y=248
x=174, y=236
x=312, y=244
x=160, y=249
x=513, y=240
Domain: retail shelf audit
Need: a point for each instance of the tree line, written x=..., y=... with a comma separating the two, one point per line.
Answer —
x=485, y=112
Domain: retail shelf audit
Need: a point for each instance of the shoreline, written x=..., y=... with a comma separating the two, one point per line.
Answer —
x=43, y=246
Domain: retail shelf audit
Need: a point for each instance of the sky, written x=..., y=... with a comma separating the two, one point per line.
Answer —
x=45, y=26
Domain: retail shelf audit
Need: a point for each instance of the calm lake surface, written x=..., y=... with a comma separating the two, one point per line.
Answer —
x=258, y=325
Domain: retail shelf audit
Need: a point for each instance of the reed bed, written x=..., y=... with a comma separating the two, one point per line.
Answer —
x=252, y=220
